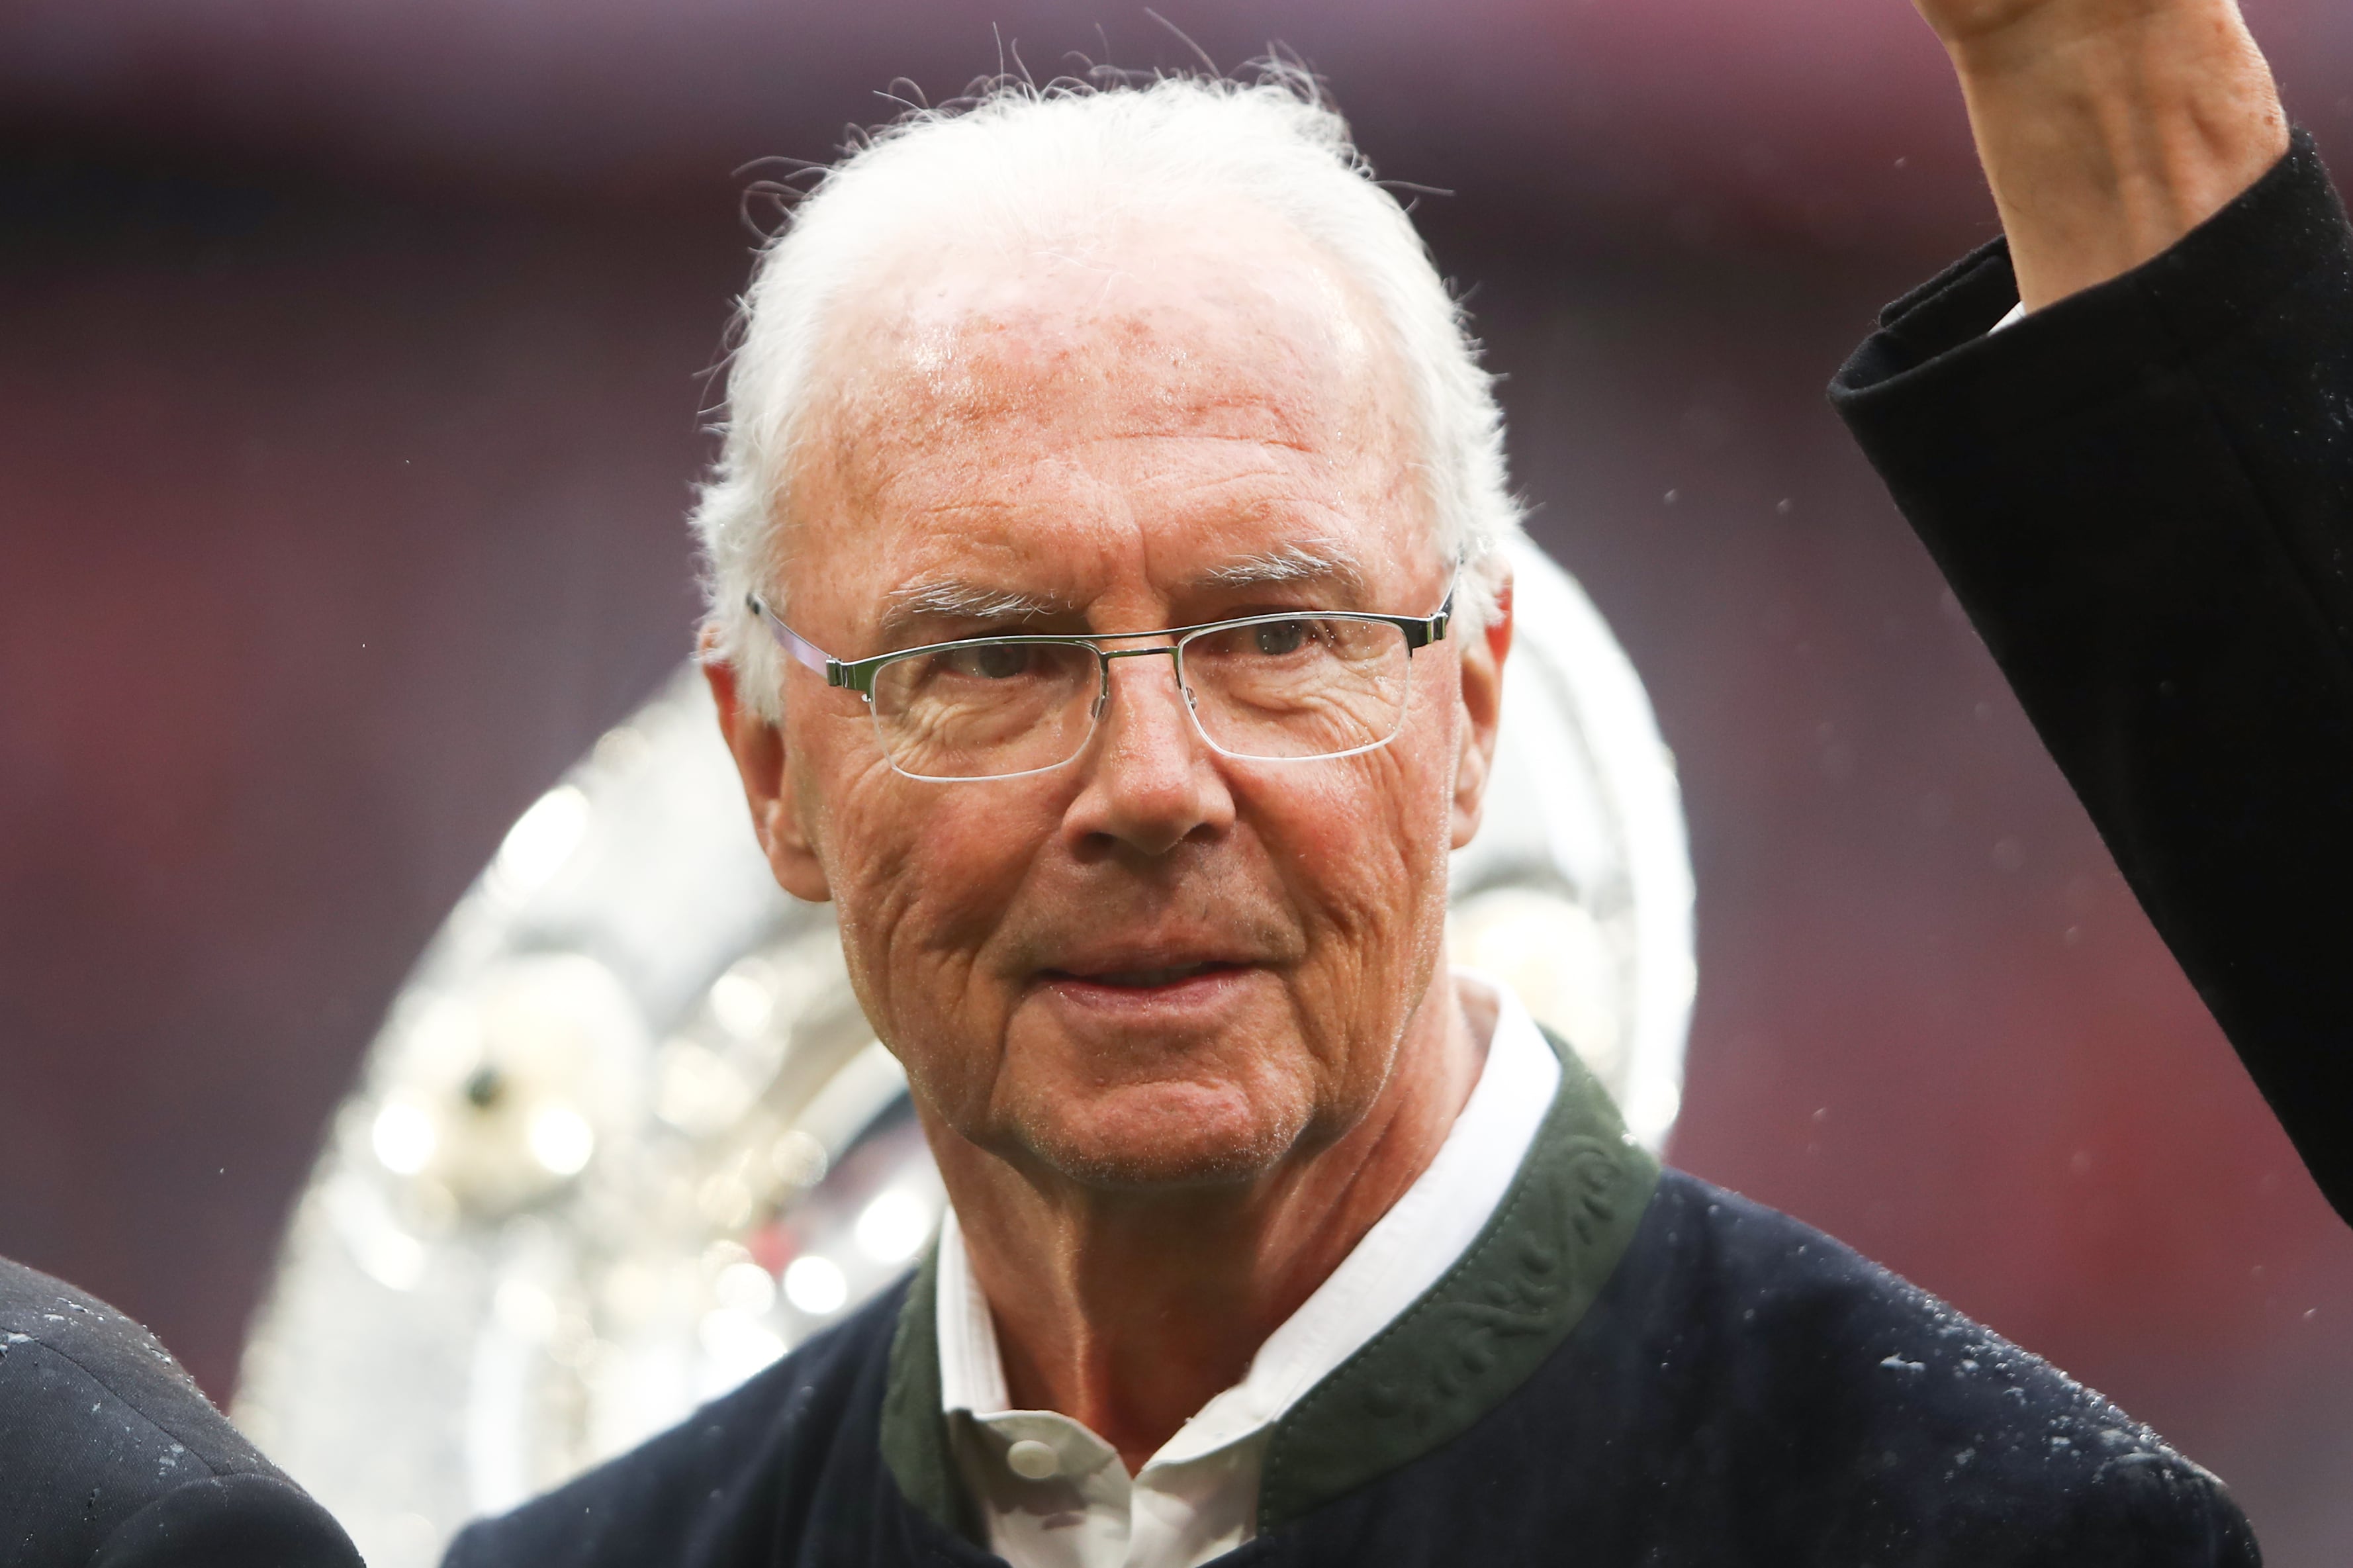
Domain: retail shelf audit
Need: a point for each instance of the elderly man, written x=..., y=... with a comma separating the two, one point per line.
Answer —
x=1108, y=618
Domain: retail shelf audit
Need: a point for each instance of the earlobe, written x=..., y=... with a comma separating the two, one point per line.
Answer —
x=762, y=759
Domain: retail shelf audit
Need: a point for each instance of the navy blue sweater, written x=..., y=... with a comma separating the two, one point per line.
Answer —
x=1742, y=1390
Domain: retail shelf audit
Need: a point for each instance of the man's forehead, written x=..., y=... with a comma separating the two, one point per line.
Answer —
x=1001, y=434
x=1165, y=326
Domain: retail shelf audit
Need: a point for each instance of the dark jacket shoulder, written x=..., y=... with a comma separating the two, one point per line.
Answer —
x=784, y=1469
x=113, y=1457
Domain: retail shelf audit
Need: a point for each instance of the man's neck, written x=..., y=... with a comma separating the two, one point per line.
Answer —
x=1129, y=1312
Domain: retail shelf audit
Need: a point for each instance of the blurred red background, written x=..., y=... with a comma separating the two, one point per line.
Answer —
x=350, y=390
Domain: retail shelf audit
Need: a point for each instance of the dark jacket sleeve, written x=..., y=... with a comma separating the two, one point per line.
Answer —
x=111, y=1457
x=2143, y=495
x=237, y=1521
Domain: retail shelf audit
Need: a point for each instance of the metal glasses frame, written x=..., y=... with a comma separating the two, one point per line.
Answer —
x=858, y=674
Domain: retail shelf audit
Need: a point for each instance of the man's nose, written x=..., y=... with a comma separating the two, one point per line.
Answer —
x=1152, y=782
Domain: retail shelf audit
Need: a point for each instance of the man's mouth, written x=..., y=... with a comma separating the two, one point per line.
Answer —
x=1143, y=979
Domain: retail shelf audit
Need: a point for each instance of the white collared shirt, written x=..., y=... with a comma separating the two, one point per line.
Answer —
x=1198, y=1497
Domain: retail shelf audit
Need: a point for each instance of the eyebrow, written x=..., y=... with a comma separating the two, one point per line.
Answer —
x=1325, y=561
x=955, y=598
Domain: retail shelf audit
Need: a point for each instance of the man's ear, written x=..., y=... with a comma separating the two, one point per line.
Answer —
x=761, y=759
x=1484, y=654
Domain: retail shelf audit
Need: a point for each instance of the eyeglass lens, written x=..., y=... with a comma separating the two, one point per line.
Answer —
x=1274, y=690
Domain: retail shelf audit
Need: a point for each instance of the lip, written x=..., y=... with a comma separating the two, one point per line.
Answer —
x=1147, y=981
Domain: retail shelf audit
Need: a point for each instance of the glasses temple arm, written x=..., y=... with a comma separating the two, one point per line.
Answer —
x=1420, y=633
x=802, y=650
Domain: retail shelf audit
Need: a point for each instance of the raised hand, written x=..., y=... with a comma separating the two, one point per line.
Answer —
x=1961, y=22
x=2108, y=129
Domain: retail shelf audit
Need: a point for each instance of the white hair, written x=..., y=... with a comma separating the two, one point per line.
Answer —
x=1036, y=165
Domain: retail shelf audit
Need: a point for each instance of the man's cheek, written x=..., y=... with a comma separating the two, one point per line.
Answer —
x=1366, y=854
x=1369, y=890
x=940, y=894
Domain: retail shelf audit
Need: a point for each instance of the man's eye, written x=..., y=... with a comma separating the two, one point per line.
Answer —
x=991, y=661
x=1277, y=638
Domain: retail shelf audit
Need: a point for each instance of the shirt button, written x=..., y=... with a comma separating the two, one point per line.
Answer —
x=1032, y=1460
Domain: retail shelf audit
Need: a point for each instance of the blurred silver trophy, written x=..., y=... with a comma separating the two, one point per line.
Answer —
x=625, y=1138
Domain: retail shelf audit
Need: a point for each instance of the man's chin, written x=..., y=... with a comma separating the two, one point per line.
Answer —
x=1145, y=1142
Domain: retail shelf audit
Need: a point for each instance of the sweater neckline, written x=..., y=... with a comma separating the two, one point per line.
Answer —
x=1473, y=1337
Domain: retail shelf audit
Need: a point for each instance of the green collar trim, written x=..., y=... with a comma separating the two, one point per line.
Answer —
x=915, y=1431
x=1488, y=1323
x=1477, y=1334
